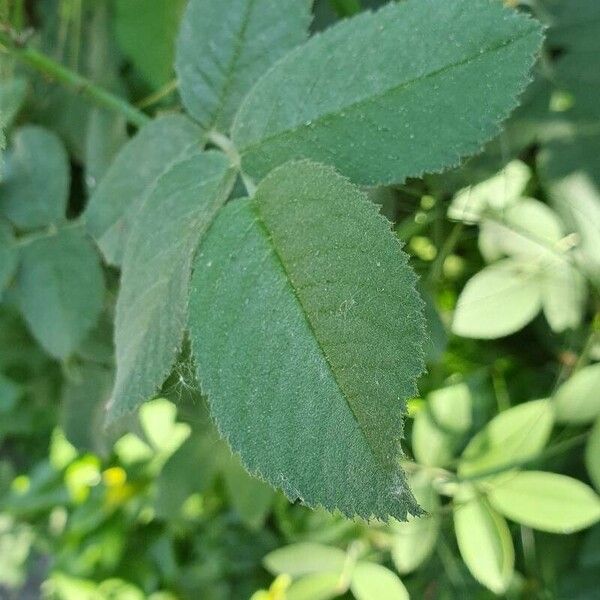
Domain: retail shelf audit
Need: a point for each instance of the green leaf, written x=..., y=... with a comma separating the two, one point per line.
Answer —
x=451, y=407
x=35, y=189
x=431, y=446
x=498, y=301
x=154, y=150
x=517, y=434
x=8, y=255
x=12, y=95
x=484, y=540
x=249, y=497
x=60, y=289
x=496, y=193
x=224, y=47
x=152, y=303
x=82, y=408
x=371, y=581
x=353, y=97
x=320, y=586
x=546, y=501
x=307, y=332
x=592, y=454
x=414, y=540
x=146, y=31
x=304, y=558
x=576, y=400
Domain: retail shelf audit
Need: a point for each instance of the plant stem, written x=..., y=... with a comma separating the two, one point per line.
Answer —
x=57, y=72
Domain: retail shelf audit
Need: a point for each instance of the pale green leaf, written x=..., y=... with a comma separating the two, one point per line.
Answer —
x=60, y=289
x=371, y=581
x=304, y=558
x=497, y=193
x=592, y=454
x=157, y=147
x=431, y=446
x=563, y=294
x=158, y=420
x=319, y=586
x=578, y=399
x=516, y=434
x=546, y=501
x=414, y=540
x=528, y=229
x=8, y=255
x=152, y=303
x=498, y=301
x=353, y=97
x=451, y=407
x=35, y=189
x=307, y=332
x=250, y=497
x=484, y=540
x=225, y=46
x=146, y=31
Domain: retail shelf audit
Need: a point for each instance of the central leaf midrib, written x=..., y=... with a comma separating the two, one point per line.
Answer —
x=237, y=52
x=268, y=236
x=405, y=84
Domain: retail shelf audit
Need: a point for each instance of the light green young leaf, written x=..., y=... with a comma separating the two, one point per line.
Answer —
x=158, y=420
x=546, y=501
x=497, y=193
x=498, y=301
x=35, y=189
x=484, y=540
x=146, y=31
x=152, y=304
x=154, y=150
x=304, y=558
x=517, y=434
x=528, y=230
x=60, y=289
x=8, y=255
x=431, y=446
x=318, y=586
x=578, y=399
x=414, y=540
x=342, y=100
x=563, y=294
x=371, y=581
x=592, y=454
x=437, y=428
x=250, y=497
x=224, y=47
x=307, y=332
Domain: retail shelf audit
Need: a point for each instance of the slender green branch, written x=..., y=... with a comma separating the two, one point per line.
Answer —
x=59, y=73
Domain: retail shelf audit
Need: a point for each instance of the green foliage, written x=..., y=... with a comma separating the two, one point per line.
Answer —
x=162, y=143
x=152, y=305
x=224, y=47
x=238, y=246
x=372, y=116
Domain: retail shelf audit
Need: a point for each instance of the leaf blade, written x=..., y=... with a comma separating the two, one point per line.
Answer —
x=254, y=301
x=224, y=47
x=152, y=303
x=349, y=114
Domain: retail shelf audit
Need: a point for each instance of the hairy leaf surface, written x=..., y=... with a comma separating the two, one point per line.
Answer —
x=224, y=47
x=60, y=289
x=307, y=332
x=386, y=95
x=8, y=255
x=155, y=148
x=36, y=184
x=152, y=303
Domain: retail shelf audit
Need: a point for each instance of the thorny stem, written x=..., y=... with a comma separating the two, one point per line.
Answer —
x=16, y=46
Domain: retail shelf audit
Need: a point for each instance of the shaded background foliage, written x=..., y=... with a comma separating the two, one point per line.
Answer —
x=156, y=507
